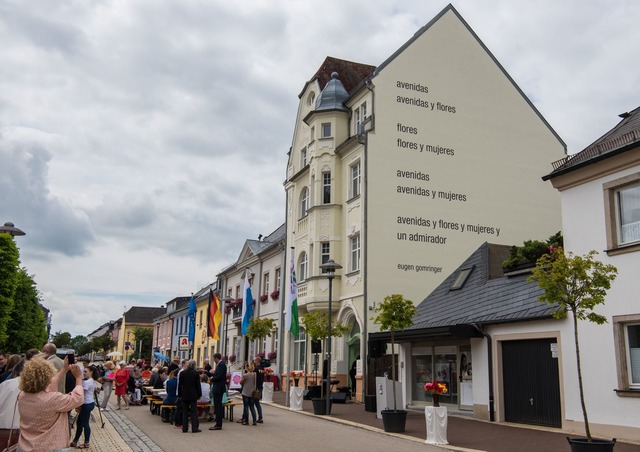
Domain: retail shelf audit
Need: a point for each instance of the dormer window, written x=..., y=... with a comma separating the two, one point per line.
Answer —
x=311, y=99
x=462, y=278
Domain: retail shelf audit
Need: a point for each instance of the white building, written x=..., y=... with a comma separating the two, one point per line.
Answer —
x=600, y=192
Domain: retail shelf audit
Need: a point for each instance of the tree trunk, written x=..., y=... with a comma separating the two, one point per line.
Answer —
x=584, y=407
x=393, y=371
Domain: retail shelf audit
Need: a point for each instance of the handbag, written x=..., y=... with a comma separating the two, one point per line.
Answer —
x=256, y=394
x=10, y=447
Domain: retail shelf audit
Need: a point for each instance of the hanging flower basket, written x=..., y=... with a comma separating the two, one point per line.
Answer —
x=272, y=355
x=275, y=294
x=232, y=358
x=264, y=298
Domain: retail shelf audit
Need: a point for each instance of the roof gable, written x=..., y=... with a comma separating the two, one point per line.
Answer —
x=143, y=314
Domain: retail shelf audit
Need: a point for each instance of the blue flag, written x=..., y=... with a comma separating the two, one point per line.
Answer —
x=192, y=319
x=247, y=305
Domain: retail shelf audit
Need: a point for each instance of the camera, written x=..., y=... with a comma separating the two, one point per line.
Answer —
x=71, y=358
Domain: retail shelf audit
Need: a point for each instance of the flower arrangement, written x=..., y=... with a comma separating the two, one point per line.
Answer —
x=275, y=294
x=435, y=387
x=264, y=297
x=296, y=373
x=268, y=370
x=232, y=358
x=272, y=355
x=260, y=355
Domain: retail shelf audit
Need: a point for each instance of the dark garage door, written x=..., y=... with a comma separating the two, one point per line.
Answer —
x=531, y=382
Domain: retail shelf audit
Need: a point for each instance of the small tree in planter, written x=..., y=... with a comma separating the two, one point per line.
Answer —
x=260, y=328
x=575, y=284
x=395, y=313
x=315, y=324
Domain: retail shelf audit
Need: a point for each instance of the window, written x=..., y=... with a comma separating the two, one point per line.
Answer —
x=278, y=279
x=304, y=202
x=311, y=98
x=360, y=115
x=354, y=264
x=324, y=254
x=312, y=134
x=626, y=330
x=622, y=213
x=303, y=267
x=303, y=158
x=299, y=350
x=265, y=283
x=326, y=130
x=355, y=180
x=462, y=278
x=200, y=322
x=326, y=187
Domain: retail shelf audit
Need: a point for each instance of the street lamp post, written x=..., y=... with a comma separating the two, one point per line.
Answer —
x=329, y=268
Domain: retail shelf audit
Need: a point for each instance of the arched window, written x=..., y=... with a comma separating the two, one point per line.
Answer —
x=303, y=267
x=304, y=202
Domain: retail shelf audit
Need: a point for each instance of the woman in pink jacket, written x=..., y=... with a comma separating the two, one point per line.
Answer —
x=44, y=421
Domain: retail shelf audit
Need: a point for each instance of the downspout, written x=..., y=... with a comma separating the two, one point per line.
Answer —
x=486, y=335
x=365, y=307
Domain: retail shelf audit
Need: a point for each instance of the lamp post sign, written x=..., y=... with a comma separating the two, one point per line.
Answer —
x=183, y=342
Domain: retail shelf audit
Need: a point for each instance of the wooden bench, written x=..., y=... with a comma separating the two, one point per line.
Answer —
x=228, y=409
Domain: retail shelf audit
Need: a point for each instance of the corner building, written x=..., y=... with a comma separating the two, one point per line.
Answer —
x=399, y=172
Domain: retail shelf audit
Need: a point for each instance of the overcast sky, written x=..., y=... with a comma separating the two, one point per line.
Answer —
x=141, y=142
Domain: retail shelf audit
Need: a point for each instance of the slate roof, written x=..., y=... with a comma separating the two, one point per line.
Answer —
x=623, y=137
x=487, y=297
x=268, y=242
x=143, y=314
x=351, y=73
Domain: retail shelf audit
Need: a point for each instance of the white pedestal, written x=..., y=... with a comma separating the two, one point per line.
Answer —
x=267, y=392
x=295, y=398
x=437, y=420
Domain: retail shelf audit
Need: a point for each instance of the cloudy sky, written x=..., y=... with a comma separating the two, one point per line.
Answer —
x=141, y=142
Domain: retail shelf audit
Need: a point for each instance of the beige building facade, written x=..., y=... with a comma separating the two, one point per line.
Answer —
x=398, y=172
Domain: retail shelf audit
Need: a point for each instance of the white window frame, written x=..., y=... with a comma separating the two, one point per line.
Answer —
x=325, y=253
x=300, y=350
x=326, y=130
x=303, y=267
x=355, y=179
x=304, y=202
x=278, y=278
x=354, y=253
x=303, y=157
x=265, y=283
x=326, y=187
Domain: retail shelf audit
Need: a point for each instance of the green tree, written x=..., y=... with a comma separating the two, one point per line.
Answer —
x=575, y=284
x=316, y=325
x=146, y=336
x=27, y=323
x=260, y=328
x=395, y=313
x=102, y=344
x=77, y=343
x=61, y=339
x=9, y=265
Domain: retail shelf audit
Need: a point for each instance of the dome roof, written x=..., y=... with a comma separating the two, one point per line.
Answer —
x=333, y=95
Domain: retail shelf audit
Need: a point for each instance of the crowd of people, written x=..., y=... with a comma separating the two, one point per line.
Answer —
x=42, y=396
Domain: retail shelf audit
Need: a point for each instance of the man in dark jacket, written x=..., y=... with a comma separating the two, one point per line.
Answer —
x=189, y=390
x=218, y=388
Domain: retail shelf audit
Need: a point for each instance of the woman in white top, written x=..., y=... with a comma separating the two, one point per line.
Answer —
x=89, y=387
